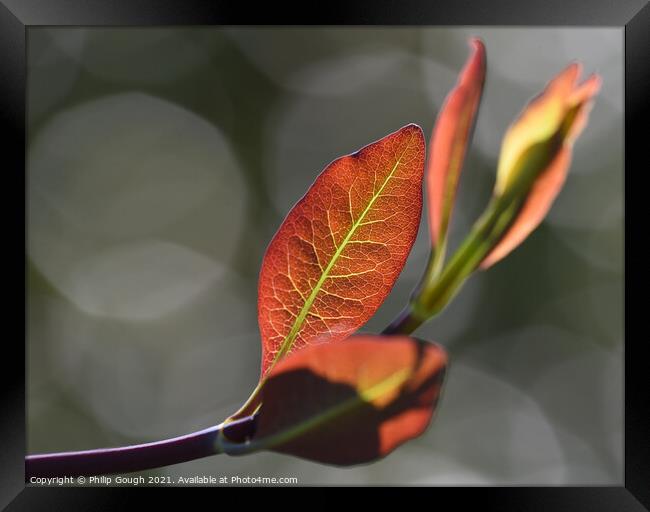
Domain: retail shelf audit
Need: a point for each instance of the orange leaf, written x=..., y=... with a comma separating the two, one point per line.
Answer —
x=539, y=144
x=351, y=402
x=341, y=248
x=450, y=139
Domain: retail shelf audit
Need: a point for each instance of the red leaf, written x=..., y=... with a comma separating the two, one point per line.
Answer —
x=341, y=248
x=450, y=139
x=551, y=121
x=350, y=402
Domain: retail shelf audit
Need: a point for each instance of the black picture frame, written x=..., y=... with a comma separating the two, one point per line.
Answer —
x=17, y=15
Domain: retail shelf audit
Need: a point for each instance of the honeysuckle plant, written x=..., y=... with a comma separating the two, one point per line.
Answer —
x=325, y=393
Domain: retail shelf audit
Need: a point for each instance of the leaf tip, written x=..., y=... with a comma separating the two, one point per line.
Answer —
x=414, y=129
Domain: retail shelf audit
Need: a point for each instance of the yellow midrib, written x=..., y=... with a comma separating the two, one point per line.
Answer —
x=287, y=343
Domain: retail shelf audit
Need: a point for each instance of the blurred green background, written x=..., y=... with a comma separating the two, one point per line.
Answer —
x=161, y=162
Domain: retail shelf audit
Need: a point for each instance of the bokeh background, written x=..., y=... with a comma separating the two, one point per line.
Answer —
x=161, y=162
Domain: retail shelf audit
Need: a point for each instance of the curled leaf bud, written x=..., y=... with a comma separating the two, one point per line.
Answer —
x=536, y=153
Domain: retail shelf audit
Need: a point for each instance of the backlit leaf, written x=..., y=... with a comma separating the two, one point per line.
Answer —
x=339, y=251
x=536, y=153
x=450, y=139
x=350, y=402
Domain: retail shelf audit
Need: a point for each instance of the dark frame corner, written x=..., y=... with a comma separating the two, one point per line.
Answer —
x=17, y=15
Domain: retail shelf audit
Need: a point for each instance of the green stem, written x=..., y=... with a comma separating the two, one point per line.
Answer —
x=251, y=406
x=437, y=259
x=438, y=287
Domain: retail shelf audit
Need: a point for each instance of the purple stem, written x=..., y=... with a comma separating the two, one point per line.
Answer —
x=167, y=452
x=137, y=457
x=405, y=323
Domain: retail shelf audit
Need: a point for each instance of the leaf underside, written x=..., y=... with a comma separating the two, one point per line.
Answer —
x=351, y=402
